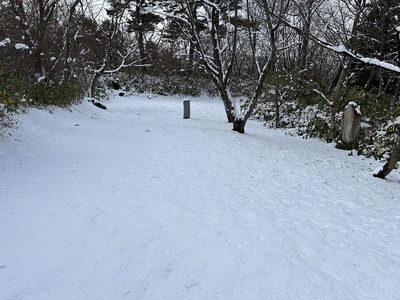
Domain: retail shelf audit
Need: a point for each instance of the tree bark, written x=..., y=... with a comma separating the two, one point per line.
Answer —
x=305, y=41
x=238, y=126
x=93, y=84
x=395, y=96
x=140, y=37
x=277, y=102
x=335, y=97
x=190, y=65
x=390, y=164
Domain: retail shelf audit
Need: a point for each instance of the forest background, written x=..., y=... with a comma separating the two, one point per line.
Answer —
x=289, y=63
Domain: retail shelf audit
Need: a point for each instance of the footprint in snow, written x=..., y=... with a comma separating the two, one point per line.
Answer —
x=192, y=286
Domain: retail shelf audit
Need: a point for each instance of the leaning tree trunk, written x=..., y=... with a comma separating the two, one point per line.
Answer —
x=93, y=84
x=390, y=164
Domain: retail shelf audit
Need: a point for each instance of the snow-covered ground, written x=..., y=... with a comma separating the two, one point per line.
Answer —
x=136, y=203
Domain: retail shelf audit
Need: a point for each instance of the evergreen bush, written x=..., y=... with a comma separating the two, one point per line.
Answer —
x=62, y=95
x=11, y=87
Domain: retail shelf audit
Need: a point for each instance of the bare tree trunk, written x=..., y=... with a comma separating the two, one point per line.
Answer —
x=305, y=41
x=222, y=83
x=238, y=125
x=93, y=84
x=277, y=102
x=140, y=38
x=220, y=64
x=390, y=164
x=395, y=97
x=191, y=58
x=192, y=46
x=67, y=42
x=335, y=97
x=223, y=91
x=370, y=81
x=336, y=77
x=46, y=12
x=252, y=41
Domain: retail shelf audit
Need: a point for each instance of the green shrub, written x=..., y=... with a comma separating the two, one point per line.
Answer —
x=62, y=95
x=11, y=89
x=379, y=143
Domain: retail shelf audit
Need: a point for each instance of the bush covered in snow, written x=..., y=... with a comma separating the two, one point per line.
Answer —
x=62, y=95
x=159, y=85
x=309, y=121
x=380, y=120
x=16, y=94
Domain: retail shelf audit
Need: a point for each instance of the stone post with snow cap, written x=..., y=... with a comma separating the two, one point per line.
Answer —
x=351, y=126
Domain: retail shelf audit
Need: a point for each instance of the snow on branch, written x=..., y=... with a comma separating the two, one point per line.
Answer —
x=323, y=96
x=209, y=3
x=342, y=50
x=369, y=61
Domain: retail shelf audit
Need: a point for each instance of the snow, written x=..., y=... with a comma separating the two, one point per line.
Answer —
x=4, y=42
x=367, y=60
x=41, y=78
x=134, y=202
x=20, y=46
x=356, y=107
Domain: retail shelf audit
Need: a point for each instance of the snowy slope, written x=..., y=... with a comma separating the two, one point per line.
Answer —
x=136, y=203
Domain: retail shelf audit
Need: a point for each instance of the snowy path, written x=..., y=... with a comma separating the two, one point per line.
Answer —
x=137, y=203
